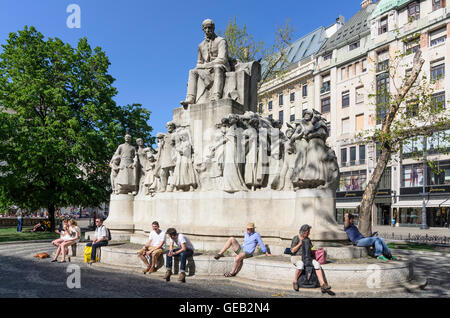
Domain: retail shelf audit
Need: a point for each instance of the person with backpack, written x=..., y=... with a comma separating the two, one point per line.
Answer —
x=304, y=262
x=101, y=238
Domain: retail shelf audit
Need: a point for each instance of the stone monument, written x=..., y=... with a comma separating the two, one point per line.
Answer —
x=221, y=164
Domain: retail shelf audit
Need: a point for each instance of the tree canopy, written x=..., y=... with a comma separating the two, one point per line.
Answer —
x=59, y=124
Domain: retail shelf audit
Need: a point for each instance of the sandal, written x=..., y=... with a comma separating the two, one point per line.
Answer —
x=218, y=256
x=228, y=274
x=53, y=261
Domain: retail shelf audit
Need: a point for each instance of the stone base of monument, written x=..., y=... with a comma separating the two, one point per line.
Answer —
x=363, y=275
x=212, y=217
x=120, y=217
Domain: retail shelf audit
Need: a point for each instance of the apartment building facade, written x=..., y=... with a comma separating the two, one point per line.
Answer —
x=342, y=78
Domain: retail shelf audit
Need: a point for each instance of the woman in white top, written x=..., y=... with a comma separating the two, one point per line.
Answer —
x=71, y=237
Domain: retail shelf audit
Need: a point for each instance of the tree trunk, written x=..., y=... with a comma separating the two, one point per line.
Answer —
x=365, y=209
x=51, y=216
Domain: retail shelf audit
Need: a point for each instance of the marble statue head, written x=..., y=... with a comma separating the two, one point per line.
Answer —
x=128, y=138
x=171, y=126
x=208, y=27
x=140, y=142
x=289, y=132
x=308, y=115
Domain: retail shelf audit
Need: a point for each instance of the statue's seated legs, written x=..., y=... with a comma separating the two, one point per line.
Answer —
x=205, y=85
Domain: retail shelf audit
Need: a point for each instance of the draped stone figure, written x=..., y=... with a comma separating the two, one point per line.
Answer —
x=282, y=181
x=115, y=168
x=151, y=182
x=141, y=164
x=311, y=150
x=232, y=178
x=185, y=177
x=165, y=164
x=253, y=167
x=126, y=179
x=208, y=77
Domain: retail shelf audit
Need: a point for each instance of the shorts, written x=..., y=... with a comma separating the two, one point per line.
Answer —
x=298, y=263
x=158, y=252
x=239, y=251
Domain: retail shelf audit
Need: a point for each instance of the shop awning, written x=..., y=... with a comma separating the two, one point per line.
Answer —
x=418, y=203
x=347, y=205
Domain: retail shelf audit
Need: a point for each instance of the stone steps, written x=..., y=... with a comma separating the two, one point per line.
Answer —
x=372, y=276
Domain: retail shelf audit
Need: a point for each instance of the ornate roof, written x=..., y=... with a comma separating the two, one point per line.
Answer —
x=387, y=5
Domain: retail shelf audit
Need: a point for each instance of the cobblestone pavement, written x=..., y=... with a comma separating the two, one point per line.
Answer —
x=21, y=275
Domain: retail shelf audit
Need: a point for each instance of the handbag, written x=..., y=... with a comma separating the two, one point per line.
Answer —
x=288, y=251
x=319, y=256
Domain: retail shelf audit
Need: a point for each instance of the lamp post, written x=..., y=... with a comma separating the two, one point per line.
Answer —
x=424, y=225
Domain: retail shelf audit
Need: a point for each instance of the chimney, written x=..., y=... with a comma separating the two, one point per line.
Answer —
x=365, y=3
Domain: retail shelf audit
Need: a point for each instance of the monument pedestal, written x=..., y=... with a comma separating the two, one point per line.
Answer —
x=120, y=217
x=202, y=120
x=210, y=217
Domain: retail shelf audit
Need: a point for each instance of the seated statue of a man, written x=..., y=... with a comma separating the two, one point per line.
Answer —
x=212, y=64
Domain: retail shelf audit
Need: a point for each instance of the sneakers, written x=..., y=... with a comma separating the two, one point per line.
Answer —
x=382, y=258
x=167, y=275
x=182, y=277
x=393, y=258
x=295, y=286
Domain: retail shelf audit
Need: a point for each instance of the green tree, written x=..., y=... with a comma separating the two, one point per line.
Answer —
x=59, y=124
x=406, y=108
x=244, y=47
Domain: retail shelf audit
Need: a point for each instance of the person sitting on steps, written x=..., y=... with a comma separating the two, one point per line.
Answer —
x=251, y=239
x=154, y=247
x=382, y=251
x=185, y=249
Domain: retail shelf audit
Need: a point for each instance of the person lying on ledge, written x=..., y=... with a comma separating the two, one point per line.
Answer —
x=382, y=251
x=251, y=240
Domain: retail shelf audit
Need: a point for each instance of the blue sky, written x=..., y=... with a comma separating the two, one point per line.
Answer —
x=153, y=44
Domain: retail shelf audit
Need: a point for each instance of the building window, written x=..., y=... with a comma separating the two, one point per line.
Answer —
x=383, y=26
x=362, y=154
x=412, y=46
x=364, y=66
x=412, y=108
x=345, y=99
x=270, y=116
x=438, y=101
x=280, y=100
x=414, y=11
x=270, y=105
x=328, y=56
x=437, y=71
x=383, y=61
x=343, y=73
x=326, y=83
x=305, y=90
x=354, y=46
x=292, y=97
x=345, y=125
x=292, y=119
x=352, y=156
x=359, y=119
x=382, y=96
x=386, y=179
x=412, y=176
x=359, y=95
x=438, y=4
x=353, y=181
x=260, y=108
x=325, y=105
x=438, y=36
x=280, y=116
x=343, y=157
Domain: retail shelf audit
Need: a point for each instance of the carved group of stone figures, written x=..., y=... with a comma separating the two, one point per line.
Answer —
x=251, y=152
x=144, y=171
x=248, y=153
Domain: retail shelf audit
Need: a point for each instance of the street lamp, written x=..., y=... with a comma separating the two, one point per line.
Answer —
x=424, y=225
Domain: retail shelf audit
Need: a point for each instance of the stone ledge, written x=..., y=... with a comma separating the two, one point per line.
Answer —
x=345, y=277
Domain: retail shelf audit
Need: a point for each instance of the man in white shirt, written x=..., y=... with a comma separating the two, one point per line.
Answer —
x=155, y=247
x=185, y=249
x=100, y=238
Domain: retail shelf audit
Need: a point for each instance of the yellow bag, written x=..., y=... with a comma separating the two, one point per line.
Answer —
x=87, y=254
